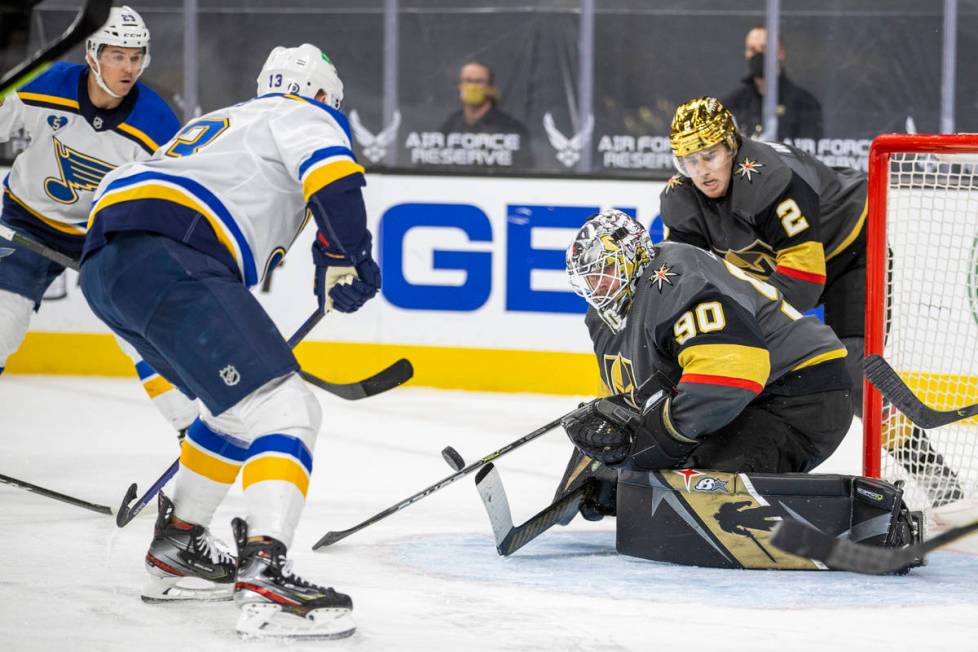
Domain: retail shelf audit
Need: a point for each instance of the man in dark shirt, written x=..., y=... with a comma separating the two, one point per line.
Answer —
x=799, y=113
x=480, y=115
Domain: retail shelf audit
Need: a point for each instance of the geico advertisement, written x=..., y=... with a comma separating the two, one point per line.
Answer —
x=466, y=261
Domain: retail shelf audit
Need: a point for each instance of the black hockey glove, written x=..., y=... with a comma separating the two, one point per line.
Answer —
x=616, y=434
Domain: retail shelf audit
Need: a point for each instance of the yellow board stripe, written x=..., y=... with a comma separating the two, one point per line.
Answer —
x=820, y=358
x=50, y=99
x=154, y=191
x=139, y=135
x=210, y=467
x=327, y=174
x=852, y=235
x=156, y=385
x=484, y=370
x=807, y=256
x=57, y=226
x=268, y=468
x=730, y=360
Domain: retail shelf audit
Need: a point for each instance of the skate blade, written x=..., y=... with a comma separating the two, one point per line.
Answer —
x=265, y=620
x=185, y=589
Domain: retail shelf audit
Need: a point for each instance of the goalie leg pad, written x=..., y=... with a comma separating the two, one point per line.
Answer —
x=725, y=520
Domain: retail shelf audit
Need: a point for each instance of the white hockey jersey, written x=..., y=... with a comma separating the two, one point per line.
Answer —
x=73, y=145
x=249, y=171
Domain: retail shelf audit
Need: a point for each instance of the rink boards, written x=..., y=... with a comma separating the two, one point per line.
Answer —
x=474, y=291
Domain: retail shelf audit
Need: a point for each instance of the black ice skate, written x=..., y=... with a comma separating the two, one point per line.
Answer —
x=276, y=603
x=186, y=562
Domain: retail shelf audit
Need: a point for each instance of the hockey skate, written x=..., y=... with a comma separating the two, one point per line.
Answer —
x=186, y=562
x=275, y=603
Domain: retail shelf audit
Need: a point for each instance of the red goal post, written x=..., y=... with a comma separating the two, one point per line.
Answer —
x=923, y=219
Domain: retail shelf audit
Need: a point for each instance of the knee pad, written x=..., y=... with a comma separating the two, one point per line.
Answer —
x=15, y=318
x=284, y=405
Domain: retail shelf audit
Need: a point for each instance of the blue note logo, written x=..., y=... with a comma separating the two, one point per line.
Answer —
x=56, y=122
x=78, y=172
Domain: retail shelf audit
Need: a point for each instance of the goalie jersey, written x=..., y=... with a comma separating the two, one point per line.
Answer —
x=74, y=144
x=785, y=215
x=721, y=336
x=240, y=183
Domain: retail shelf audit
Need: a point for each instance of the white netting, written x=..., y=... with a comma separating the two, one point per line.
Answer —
x=932, y=339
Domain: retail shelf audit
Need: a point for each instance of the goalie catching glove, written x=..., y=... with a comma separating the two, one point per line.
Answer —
x=616, y=434
x=344, y=281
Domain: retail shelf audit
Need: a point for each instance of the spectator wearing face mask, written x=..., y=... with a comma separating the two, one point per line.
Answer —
x=799, y=113
x=481, y=115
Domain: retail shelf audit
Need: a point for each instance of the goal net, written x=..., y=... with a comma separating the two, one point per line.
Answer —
x=922, y=313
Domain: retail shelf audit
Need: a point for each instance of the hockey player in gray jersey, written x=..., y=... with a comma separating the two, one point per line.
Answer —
x=83, y=121
x=759, y=387
x=783, y=216
x=754, y=396
x=174, y=243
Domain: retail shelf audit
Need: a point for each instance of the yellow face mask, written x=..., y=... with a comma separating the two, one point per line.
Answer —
x=475, y=94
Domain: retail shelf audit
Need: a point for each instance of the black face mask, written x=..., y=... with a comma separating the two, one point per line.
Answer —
x=755, y=65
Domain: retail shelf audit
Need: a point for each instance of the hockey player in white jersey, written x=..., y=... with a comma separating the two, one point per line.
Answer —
x=173, y=245
x=83, y=121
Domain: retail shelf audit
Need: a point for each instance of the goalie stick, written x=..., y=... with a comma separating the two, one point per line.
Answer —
x=333, y=536
x=41, y=491
x=510, y=538
x=803, y=540
x=891, y=386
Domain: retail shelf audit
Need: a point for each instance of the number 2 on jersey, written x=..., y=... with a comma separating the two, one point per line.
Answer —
x=197, y=135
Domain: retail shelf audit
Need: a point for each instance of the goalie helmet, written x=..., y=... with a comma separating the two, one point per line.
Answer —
x=304, y=70
x=605, y=261
x=700, y=124
x=124, y=29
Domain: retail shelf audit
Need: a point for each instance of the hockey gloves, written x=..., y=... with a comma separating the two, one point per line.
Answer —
x=616, y=434
x=344, y=281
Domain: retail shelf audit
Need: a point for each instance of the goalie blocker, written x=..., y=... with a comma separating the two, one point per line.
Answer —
x=725, y=520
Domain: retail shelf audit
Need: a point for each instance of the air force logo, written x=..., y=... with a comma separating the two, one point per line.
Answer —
x=56, y=122
x=374, y=147
x=568, y=149
x=78, y=172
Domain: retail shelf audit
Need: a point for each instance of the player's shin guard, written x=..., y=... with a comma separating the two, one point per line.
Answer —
x=209, y=464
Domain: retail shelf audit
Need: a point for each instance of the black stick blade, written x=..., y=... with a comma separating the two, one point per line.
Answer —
x=805, y=541
x=386, y=379
x=123, y=516
x=329, y=539
x=892, y=387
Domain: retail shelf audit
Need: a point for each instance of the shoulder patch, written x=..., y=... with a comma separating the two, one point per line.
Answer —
x=662, y=276
x=747, y=167
x=674, y=182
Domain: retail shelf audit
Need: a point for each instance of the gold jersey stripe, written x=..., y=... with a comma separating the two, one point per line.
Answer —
x=807, y=257
x=728, y=360
x=820, y=358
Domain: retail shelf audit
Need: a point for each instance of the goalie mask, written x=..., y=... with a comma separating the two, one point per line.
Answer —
x=304, y=70
x=605, y=261
x=699, y=125
x=124, y=29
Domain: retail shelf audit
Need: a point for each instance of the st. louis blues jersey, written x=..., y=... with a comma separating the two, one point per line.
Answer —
x=74, y=144
x=240, y=183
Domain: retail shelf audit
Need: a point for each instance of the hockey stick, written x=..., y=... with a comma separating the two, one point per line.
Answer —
x=509, y=537
x=92, y=16
x=891, y=386
x=805, y=541
x=332, y=536
x=33, y=245
x=33, y=488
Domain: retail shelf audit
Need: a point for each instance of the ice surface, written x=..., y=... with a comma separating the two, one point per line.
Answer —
x=427, y=578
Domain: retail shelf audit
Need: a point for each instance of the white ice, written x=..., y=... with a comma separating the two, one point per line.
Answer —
x=427, y=578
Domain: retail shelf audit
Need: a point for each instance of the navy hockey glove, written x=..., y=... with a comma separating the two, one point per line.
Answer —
x=340, y=282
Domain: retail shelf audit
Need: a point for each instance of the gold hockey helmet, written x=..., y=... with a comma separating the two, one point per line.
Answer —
x=702, y=123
